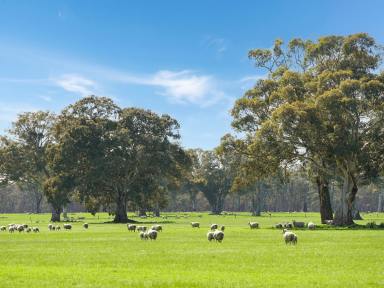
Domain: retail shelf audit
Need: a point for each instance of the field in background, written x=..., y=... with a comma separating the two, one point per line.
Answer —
x=107, y=255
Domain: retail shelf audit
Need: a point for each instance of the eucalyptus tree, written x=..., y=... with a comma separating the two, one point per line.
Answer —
x=105, y=152
x=319, y=107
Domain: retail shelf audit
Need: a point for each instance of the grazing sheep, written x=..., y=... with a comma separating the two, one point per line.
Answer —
x=143, y=235
x=35, y=229
x=25, y=226
x=11, y=229
x=298, y=224
x=195, y=224
x=58, y=228
x=210, y=236
x=50, y=226
x=222, y=228
x=218, y=235
x=131, y=227
x=20, y=228
x=53, y=228
x=157, y=228
x=288, y=225
x=152, y=234
x=28, y=230
x=214, y=226
x=279, y=225
x=85, y=225
x=141, y=228
x=289, y=237
x=253, y=225
x=67, y=226
x=3, y=228
x=311, y=226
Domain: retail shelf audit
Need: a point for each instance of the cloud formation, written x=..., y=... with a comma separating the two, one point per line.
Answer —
x=76, y=84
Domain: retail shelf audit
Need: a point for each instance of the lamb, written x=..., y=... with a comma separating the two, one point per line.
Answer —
x=131, y=227
x=157, y=228
x=58, y=228
x=85, y=225
x=298, y=224
x=152, y=234
x=289, y=237
x=214, y=226
x=210, y=236
x=50, y=226
x=222, y=228
x=143, y=235
x=195, y=224
x=141, y=228
x=218, y=235
x=35, y=229
x=67, y=226
x=311, y=226
x=253, y=225
x=3, y=228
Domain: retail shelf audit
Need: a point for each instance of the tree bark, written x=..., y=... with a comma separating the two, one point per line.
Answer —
x=121, y=209
x=56, y=212
x=326, y=212
x=343, y=215
x=355, y=212
x=380, y=205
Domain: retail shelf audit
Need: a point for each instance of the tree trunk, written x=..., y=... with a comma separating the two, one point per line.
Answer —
x=256, y=202
x=380, y=205
x=121, y=209
x=326, y=212
x=343, y=215
x=156, y=211
x=355, y=212
x=56, y=212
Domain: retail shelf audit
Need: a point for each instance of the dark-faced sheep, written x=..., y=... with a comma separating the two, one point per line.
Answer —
x=214, y=226
x=195, y=224
x=218, y=235
x=85, y=225
x=157, y=228
x=131, y=227
x=67, y=226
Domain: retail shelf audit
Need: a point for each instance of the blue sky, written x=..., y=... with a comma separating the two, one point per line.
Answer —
x=184, y=58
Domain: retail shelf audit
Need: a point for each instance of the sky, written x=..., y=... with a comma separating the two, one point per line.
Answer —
x=187, y=59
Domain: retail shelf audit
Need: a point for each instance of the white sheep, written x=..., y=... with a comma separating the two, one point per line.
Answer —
x=20, y=228
x=67, y=226
x=152, y=234
x=253, y=225
x=141, y=228
x=218, y=235
x=28, y=230
x=25, y=226
x=195, y=224
x=214, y=226
x=35, y=229
x=143, y=235
x=210, y=236
x=11, y=229
x=289, y=237
x=131, y=227
x=3, y=228
x=311, y=226
x=157, y=228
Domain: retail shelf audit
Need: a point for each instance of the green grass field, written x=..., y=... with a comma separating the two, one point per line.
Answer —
x=107, y=255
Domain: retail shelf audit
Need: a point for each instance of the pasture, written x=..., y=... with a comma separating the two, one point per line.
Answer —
x=108, y=255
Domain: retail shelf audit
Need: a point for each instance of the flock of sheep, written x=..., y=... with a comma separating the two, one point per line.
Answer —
x=215, y=233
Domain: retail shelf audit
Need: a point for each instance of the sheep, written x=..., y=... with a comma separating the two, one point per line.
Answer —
x=143, y=235
x=85, y=225
x=141, y=228
x=278, y=225
x=11, y=229
x=131, y=227
x=289, y=237
x=195, y=224
x=35, y=229
x=222, y=228
x=152, y=234
x=214, y=226
x=50, y=226
x=20, y=228
x=25, y=226
x=311, y=226
x=157, y=228
x=67, y=226
x=298, y=224
x=3, y=228
x=58, y=228
x=210, y=236
x=53, y=228
x=28, y=230
x=288, y=225
x=218, y=235
x=253, y=225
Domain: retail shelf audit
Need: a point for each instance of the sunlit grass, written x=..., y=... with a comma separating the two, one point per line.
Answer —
x=107, y=255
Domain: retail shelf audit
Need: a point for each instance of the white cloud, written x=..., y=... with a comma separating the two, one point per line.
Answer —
x=219, y=44
x=76, y=84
